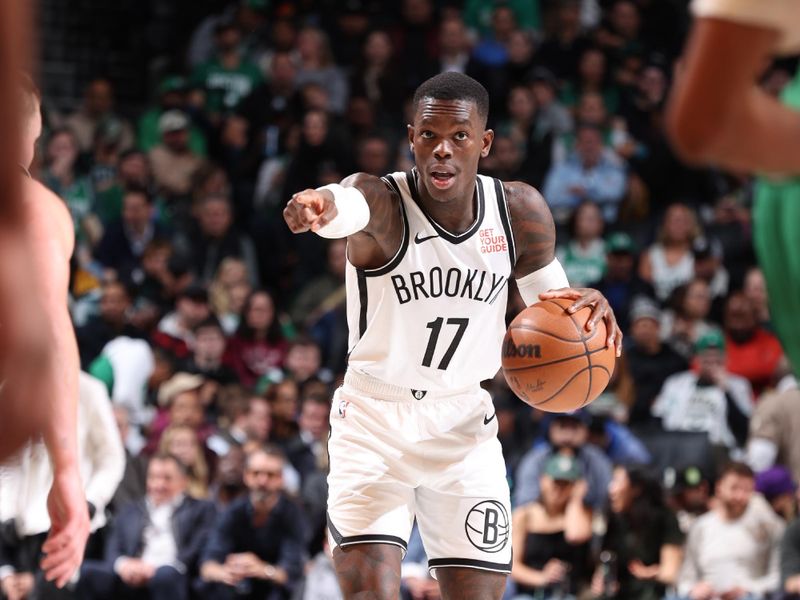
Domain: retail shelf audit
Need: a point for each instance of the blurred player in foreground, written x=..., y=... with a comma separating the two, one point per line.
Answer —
x=718, y=115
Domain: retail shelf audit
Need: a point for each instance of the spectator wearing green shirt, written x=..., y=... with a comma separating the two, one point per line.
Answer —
x=584, y=256
x=478, y=14
x=228, y=78
x=172, y=94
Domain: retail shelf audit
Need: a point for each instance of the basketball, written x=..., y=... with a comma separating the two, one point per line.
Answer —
x=551, y=361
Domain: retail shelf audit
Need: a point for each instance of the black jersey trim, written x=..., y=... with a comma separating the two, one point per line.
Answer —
x=483, y=565
x=502, y=207
x=363, y=298
x=411, y=177
x=395, y=260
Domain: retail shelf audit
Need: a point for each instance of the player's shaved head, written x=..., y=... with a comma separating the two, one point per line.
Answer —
x=454, y=86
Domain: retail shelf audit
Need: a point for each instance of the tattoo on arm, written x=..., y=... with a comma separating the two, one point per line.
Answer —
x=533, y=228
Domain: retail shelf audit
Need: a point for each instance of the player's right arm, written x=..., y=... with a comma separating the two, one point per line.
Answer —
x=362, y=208
x=717, y=113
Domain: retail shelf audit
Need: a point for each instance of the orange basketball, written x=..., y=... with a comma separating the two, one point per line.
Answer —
x=551, y=361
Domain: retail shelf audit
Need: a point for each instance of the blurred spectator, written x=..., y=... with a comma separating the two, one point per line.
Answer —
x=376, y=79
x=752, y=352
x=552, y=118
x=505, y=160
x=790, y=561
x=233, y=405
x=620, y=37
x=621, y=285
x=207, y=351
x=133, y=484
x=588, y=174
x=562, y=48
x=755, y=289
x=304, y=361
x=309, y=448
x=453, y=46
x=115, y=304
x=217, y=238
x=176, y=330
x=708, y=267
x=615, y=439
x=26, y=481
x=643, y=537
x=228, y=484
x=62, y=175
x=172, y=161
x=153, y=281
x=373, y=156
x=132, y=170
x=155, y=544
x=124, y=241
x=686, y=320
x=257, y=548
x=690, y=494
x=479, y=15
x=258, y=346
x=551, y=536
x=711, y=400
x=172, y=95
x=97, y=107
x=733, y=550
x=584, y=256
x=181, y=442
x=491, y=57
x=775, y=432
x=778, y=488
x=415, y=35
x=228, y=77
x=228, y=292
x=669, y=262
x=317, y=66
x=321, y=294
x=593, y=76
x=566, y=434
x=180, y=404
x=283, y=399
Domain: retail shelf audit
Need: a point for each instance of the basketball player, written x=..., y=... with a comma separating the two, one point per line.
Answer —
x=40, y=366
x=718, y=115
x=430, y=254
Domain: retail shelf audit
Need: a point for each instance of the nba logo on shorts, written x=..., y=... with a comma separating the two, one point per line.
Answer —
x=487, y=526
x=343, y=408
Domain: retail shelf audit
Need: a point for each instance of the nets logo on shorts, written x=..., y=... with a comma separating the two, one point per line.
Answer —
x=487, y=526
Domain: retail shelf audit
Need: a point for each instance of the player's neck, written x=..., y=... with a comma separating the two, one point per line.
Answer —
x=456, y=215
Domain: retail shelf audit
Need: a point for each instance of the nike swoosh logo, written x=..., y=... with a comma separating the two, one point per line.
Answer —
x=419, y=240
x=489, y=420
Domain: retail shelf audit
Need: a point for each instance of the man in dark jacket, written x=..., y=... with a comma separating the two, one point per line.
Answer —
x=154, y=545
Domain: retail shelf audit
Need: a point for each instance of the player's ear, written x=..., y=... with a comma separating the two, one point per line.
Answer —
x=486, y=142
x=410, y=129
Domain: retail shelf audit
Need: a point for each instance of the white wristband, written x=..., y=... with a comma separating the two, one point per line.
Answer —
x=551, y=277
x=352, y=212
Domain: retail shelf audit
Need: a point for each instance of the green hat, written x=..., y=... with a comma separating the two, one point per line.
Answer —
x=563, y=468
x=620, y=242
x=710, y=340
x=175, y=83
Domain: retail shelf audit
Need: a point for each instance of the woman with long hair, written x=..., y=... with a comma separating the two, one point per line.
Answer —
x=643, y=546
x=670, y=262
x=686, y=321
x=584, y=255
x=258, y=345
x=550, y=537
x=182, y=441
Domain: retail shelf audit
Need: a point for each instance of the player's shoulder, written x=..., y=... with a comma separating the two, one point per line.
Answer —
x=524, y=200
x=48, y=214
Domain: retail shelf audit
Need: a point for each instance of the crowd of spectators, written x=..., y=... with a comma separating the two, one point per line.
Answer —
x=214, y=338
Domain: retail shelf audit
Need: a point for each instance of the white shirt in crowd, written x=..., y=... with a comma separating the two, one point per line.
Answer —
x=160, y=548
x=25, y=480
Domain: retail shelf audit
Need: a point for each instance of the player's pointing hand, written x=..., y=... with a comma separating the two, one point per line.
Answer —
x=309, y=210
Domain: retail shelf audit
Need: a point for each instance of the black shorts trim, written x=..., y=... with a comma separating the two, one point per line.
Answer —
x=483, y=565
x=372, y=538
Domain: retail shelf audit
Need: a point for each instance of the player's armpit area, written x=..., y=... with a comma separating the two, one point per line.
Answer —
x=533, y=227
x=379, y=241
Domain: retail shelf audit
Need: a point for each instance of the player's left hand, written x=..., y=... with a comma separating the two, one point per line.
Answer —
x=69, y=527
x=601, y=309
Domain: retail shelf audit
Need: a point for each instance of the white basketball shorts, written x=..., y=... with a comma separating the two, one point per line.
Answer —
x=397, y=454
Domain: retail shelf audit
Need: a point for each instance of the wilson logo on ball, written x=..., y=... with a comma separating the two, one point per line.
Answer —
x=512, y=350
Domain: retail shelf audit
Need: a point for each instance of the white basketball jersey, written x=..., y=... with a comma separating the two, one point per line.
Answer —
x=433, y=318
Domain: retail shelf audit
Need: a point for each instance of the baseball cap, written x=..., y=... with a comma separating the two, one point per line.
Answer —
x=644, y=308
x=580, y=415
x=689, y=477
x=710, y=340
x=195, y=292
x=542, y=75
x=178, y=384
x=775, y=481
x=562, y=468
x=620, y=243
x=172, y=120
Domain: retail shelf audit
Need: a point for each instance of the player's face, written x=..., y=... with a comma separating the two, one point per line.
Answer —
x=448, y=139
